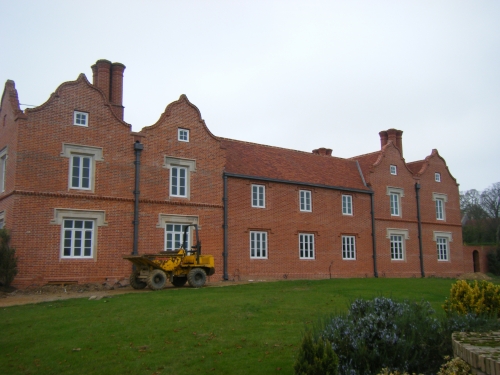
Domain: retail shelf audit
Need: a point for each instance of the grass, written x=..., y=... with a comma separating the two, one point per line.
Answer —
x=240, y=329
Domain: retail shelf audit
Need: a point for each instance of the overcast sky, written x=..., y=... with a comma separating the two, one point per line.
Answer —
x=294, y=74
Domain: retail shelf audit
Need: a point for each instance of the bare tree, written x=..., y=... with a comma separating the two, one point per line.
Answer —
x=482, y=213
x=490, y=202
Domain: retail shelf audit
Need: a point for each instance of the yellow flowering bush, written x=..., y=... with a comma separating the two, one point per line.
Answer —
x=478, y=297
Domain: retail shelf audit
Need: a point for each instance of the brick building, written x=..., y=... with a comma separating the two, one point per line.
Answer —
x=73, y=195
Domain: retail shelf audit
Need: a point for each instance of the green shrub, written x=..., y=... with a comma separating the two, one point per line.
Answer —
x=494, y=261
x=316, y=358
x=8, y=259
x=478, y=297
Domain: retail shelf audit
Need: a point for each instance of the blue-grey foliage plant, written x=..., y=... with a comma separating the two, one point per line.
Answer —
x=382, y=333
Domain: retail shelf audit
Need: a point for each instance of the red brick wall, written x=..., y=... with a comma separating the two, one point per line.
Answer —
x=39, y=174
x=42, y=185
x=380, y=178
x=468, y=255
x=283, y=221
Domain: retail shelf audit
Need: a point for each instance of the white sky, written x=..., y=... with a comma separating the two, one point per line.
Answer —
x=295, y=74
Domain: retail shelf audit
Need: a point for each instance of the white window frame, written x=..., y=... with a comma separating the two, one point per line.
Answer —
x=73, y=151
x=82, y=179
x=178, y=181
x=98, y=218
x=305, y=199
x=306, y=246
x=347, y=205
x=438, y=238
x=397, y=236
x=437, y=177
x=442, y=249
x=440, y=204
x=2, y=219
x=393, y=169
x=258, y=245
x=349, y=247
x=166, y=219
x=78, y=234
x=189, y=165
x=183, y=135
x=258, y=196
x=439, y=209
x=176, y=233
x=395, y=194
x=3, y=168
x=81, y=118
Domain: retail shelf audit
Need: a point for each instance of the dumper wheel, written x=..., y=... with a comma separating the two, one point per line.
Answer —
x=135, y=282
x=157, y=279
x=197, y=277
x=179, y=281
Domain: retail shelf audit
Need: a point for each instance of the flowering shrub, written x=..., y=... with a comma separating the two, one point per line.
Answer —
x=479, y=297
x=455, y=366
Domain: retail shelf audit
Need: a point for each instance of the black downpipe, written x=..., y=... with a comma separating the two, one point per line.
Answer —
x=224, y=227
x=419, y=219
x=374, y=241
x=138, y=147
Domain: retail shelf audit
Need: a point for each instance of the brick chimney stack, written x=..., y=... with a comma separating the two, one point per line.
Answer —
x=108, y=77
x=116, y=95
x=323, y=151
x=393, y=135
x=383, y=138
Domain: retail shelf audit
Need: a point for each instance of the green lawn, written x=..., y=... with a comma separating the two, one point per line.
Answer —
x=238, y=329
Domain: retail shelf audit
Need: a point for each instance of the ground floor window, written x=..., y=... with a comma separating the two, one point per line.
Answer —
x=78, y=238
x=306, y=246
x=397, y=247
x=442, y=248
x=348, y=247
x=443, y=240
x=78, y=231
x=258, y=245
x=174, y=235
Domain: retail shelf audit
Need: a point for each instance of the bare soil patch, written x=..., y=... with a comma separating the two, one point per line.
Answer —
x=46, y=293
x=474, y=276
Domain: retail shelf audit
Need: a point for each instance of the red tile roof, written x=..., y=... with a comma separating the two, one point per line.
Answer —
x=415, y=166
x=251, y=159
x=366, y=161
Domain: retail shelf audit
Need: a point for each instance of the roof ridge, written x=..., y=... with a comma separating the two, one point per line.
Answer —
x=280, y=148
x=367, y=154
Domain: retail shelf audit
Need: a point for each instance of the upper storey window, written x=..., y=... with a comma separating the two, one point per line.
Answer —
x=81, y=170
x=178, y=181
x=305, y=200
x=183, y=135
x=180, y=173
x=82, y=165
x=258, y=196
x=394, y=170
x=395, y=194
x=437, y=177
x=80, y=118
x=346, y=204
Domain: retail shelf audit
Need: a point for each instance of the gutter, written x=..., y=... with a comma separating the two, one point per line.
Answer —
x=297, y=183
